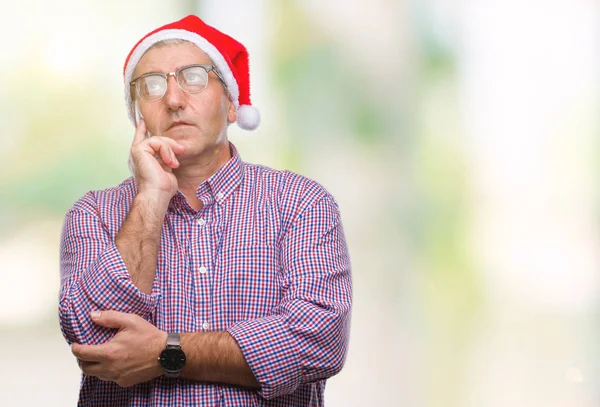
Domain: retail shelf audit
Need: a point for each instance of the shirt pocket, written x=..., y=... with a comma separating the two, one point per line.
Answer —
x=250, y=282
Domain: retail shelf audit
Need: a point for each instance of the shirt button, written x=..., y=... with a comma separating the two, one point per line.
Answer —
x=220, y=196
x=200, y=221
x=202, y=270
x=205, y=326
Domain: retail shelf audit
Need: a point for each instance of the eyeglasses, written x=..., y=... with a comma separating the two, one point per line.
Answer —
x=152, y=86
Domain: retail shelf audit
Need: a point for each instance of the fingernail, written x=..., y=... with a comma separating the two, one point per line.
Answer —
x=96, y=314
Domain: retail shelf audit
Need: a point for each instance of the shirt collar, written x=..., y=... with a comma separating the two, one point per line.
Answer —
x=222, y=183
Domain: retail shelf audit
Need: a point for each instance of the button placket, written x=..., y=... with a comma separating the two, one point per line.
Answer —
x=202, y=260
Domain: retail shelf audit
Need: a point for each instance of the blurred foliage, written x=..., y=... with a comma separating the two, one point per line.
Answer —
x=64, y=148
x=449, y=287
x=324, y=96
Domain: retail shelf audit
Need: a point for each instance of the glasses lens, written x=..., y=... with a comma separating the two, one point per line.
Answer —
x=151, y=87
x=193, y=79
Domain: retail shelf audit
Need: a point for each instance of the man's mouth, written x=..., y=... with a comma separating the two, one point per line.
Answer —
x=178, y=123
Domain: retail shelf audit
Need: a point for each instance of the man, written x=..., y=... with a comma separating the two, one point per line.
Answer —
x=202, y=280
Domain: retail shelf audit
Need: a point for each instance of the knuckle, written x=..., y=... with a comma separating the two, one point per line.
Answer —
x=124, y=382
x=109, y=374
x=111, y=354
x=136, y=149
x=104, y=377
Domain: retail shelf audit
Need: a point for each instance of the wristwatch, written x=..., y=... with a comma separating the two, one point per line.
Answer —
x=172, y=358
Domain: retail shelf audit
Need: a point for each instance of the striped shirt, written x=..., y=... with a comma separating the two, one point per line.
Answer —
x=265, y=259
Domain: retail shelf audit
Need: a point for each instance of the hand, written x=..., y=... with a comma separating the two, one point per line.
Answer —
x=152, y=162
x=130, y=357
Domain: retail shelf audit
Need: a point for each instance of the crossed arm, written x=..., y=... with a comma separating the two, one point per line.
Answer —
x=131, y=356
x=312, y=318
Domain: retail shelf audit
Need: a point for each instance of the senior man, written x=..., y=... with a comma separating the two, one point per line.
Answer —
x=202, y=279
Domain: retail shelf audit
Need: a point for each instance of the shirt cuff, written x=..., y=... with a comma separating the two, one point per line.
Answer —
x=107, y=285
x=268, y=350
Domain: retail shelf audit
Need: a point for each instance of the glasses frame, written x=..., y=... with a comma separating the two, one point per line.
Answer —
x=175, y=74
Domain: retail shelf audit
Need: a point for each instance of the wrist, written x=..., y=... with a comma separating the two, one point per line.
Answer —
x=153, y=198
x=160, y=344
x=191, y=344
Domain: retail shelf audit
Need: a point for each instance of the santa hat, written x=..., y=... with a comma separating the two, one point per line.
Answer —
x=229, y=56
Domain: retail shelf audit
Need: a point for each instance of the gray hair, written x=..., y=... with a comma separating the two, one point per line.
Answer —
x=170, y=41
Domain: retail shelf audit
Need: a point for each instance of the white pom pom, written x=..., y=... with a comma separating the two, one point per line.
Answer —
x=248, y=117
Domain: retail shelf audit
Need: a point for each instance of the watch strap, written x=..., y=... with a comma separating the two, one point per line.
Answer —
x=173, y=340
x=172, y=373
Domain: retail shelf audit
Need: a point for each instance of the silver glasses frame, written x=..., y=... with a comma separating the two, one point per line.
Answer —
x=175, y=74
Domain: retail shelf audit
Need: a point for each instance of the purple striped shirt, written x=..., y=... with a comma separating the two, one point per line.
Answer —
x=265, y=259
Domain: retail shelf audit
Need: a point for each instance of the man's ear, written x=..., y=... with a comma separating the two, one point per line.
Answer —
x=231, y=112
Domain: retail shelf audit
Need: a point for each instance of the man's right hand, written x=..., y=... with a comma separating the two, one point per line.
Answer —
x=153, y=160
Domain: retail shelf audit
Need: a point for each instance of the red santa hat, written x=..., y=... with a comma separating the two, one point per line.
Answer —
x=229, y=56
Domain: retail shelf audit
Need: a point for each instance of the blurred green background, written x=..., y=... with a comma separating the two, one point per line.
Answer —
x=459, y=138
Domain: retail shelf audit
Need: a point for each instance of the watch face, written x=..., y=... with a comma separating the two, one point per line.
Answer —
x=172, y=359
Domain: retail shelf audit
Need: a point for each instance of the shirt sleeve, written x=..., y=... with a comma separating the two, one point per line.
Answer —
x=93, y=277
x=305, y=339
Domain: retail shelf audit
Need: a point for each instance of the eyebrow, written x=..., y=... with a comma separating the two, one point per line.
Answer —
x=150, y=72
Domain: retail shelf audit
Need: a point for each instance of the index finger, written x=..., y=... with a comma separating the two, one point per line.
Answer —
x=88, y=353
x=140, y=132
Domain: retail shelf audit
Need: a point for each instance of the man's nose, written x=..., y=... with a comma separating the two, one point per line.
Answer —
x=174, y=97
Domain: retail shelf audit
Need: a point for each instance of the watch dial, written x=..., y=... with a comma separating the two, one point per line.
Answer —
x=172, y=359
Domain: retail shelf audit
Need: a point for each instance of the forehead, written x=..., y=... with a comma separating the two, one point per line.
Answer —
x=169, y=58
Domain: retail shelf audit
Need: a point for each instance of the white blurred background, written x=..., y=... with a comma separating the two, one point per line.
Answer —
x=460, y=139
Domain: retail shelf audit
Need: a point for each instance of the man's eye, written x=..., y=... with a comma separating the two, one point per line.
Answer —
x=154, y=86
x=195, y=76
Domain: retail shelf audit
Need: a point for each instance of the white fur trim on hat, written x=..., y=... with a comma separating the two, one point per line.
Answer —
x=248, y=117
x=200, y=42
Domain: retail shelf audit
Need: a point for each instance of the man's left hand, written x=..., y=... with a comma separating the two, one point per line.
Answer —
x=130, y=357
